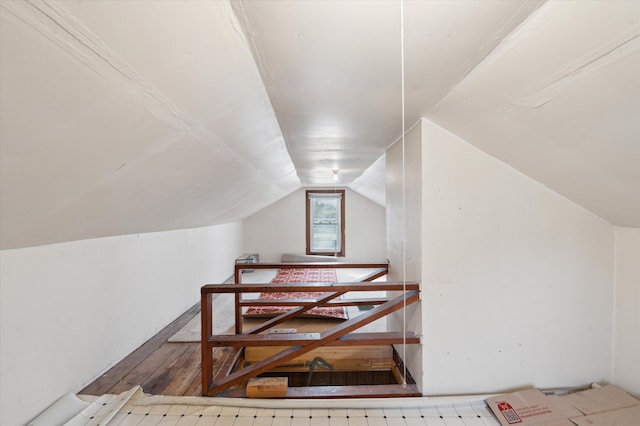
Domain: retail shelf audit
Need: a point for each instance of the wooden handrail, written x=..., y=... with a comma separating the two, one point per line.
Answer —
x=294, y=313
x=309, y=287
x=293, y=352
x=299, y=302
x=298, y=343
x=382, y=269
x=294, y=339
x=362, y=391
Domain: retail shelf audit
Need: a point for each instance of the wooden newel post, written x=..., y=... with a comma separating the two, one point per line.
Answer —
x=206, y=314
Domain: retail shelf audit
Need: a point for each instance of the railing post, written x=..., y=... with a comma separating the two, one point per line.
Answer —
x=237, y=278
x=206, y=317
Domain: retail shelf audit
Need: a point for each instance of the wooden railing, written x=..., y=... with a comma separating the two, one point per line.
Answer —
x=379, y=270
x=298, y=344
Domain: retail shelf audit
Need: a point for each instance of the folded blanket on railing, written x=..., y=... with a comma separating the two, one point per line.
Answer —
x=299, y=275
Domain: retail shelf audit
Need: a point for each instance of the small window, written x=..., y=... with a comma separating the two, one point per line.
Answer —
x=325, y=222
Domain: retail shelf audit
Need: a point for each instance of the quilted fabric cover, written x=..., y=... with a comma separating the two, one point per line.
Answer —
x=299, y=275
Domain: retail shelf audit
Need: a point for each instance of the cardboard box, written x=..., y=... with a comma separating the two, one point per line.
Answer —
x=568, y=410
x=527, y=408
x=599, y=400
x=603, y=406
x=622, y=417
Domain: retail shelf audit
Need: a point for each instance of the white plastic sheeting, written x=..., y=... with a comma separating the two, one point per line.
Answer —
x=133, y=407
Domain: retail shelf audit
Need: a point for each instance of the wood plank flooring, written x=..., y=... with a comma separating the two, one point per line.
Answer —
x=167, y=368
x=161, y=368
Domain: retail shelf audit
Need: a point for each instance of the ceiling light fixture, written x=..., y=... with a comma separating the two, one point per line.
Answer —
x=335, y=174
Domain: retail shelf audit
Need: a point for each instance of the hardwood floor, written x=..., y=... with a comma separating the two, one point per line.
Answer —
x=161, y=368
x=167, y=368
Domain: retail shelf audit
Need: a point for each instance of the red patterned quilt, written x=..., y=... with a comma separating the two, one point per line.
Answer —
x=299, y=275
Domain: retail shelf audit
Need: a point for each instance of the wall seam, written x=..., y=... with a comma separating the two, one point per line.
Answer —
x=614, y=336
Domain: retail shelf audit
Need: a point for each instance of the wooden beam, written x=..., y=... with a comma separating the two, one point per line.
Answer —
x=346, y=365
x=375, y=274
x=294, y=313
x=401, y=368
x=237, y=313
x=327, y=336
x=376, y=313
x=309, y=287
x=295, y=339
x=341, y=358
x=206, y=324
x=333, y=392
x=231, y=362
x=382, y=268
x=237, y=279
x=306, y=265
x=302, y=302
x=376, y=391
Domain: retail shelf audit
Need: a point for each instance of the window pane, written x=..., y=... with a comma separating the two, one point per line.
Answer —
x=325, y=237
x=324, y=222
x=326, y=228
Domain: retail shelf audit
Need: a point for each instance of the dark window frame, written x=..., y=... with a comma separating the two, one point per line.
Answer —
x=308, y=193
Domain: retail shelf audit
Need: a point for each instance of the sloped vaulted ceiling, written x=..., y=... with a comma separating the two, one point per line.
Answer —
x=559, y=100
x=333, y=69
x=128, y=117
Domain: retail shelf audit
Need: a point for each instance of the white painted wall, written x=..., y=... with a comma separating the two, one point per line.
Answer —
x=70, y=311
x=517, y=280
x=280, y=228
x=626, y=349
x=404, y=224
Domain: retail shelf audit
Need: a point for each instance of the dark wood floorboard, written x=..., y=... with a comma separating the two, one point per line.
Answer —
x=164, y=368
x=160, y=367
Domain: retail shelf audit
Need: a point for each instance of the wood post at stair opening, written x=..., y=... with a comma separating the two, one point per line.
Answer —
x=290, y=347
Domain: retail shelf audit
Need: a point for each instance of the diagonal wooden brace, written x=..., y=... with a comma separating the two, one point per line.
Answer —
x=289, y=314
x=295, y=312
x=328, y=336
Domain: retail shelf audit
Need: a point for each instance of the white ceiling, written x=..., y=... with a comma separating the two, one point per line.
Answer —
x=137, y=116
